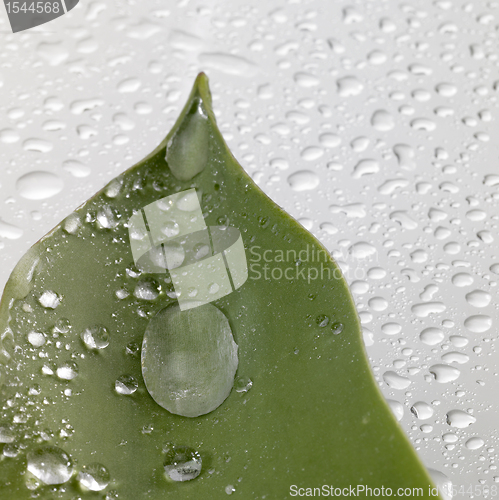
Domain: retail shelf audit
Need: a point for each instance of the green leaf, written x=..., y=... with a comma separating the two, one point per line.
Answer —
x=305, y=409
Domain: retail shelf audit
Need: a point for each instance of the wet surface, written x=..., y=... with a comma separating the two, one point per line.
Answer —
x=371, y=124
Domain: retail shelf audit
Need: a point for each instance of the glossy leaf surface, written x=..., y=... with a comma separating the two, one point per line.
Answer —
x=305, y=409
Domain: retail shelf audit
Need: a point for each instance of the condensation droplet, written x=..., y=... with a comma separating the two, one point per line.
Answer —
x=431, y=336
x=444, y=373
x=479, y=298
x=306, y=80
x=474, y=443
x=460, y=419
x=382, y=121
x=303, y=180
x=422, y=410
x=349, y=86
x=395, y=381
x=95, y=337
x=126, y=385
x=39, y=185
x=478, y=323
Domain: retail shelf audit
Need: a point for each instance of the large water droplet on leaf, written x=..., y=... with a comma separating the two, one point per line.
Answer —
x=189, y=359
x=187, y=153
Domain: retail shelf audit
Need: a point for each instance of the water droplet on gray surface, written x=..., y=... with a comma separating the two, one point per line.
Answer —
x=446, y=89
x=391, y=328
x=10, y=231
x=404, y=219
x=328, y=228
x=53, y=53
x=405, y=155
x=429, y=290
x=87, y=46
x=422, y=410
x=306, y=80
x=359, y=287
x=432, y=336
x=349, y=86
x=38, y=145
x=76, y=168
x=382, y=121
x=391, y=185
x=423, y=124
x=329, y=140
x=395, y=381
x=86, y=132
x=460, y=419
x=228, y=63
x=185, y=41
x=39, y=185
x=53, y=126
x=474, y=443
x=462, y=279
x=455, y=357
x=80, y=106
x=365, y=167
x=444, y=373
x=479, y=323
x=143, y=30
x=303, y=180
x=9, y=136
x=142, y=108
x=312, y=153
x=459, y=341
x=425, y=309
x=96, y=337
x=479, y=298
x=362, y=250
x=378, y=303
x=377, y=57
x=351, y=15
x=123, y=121
x=129, y=85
